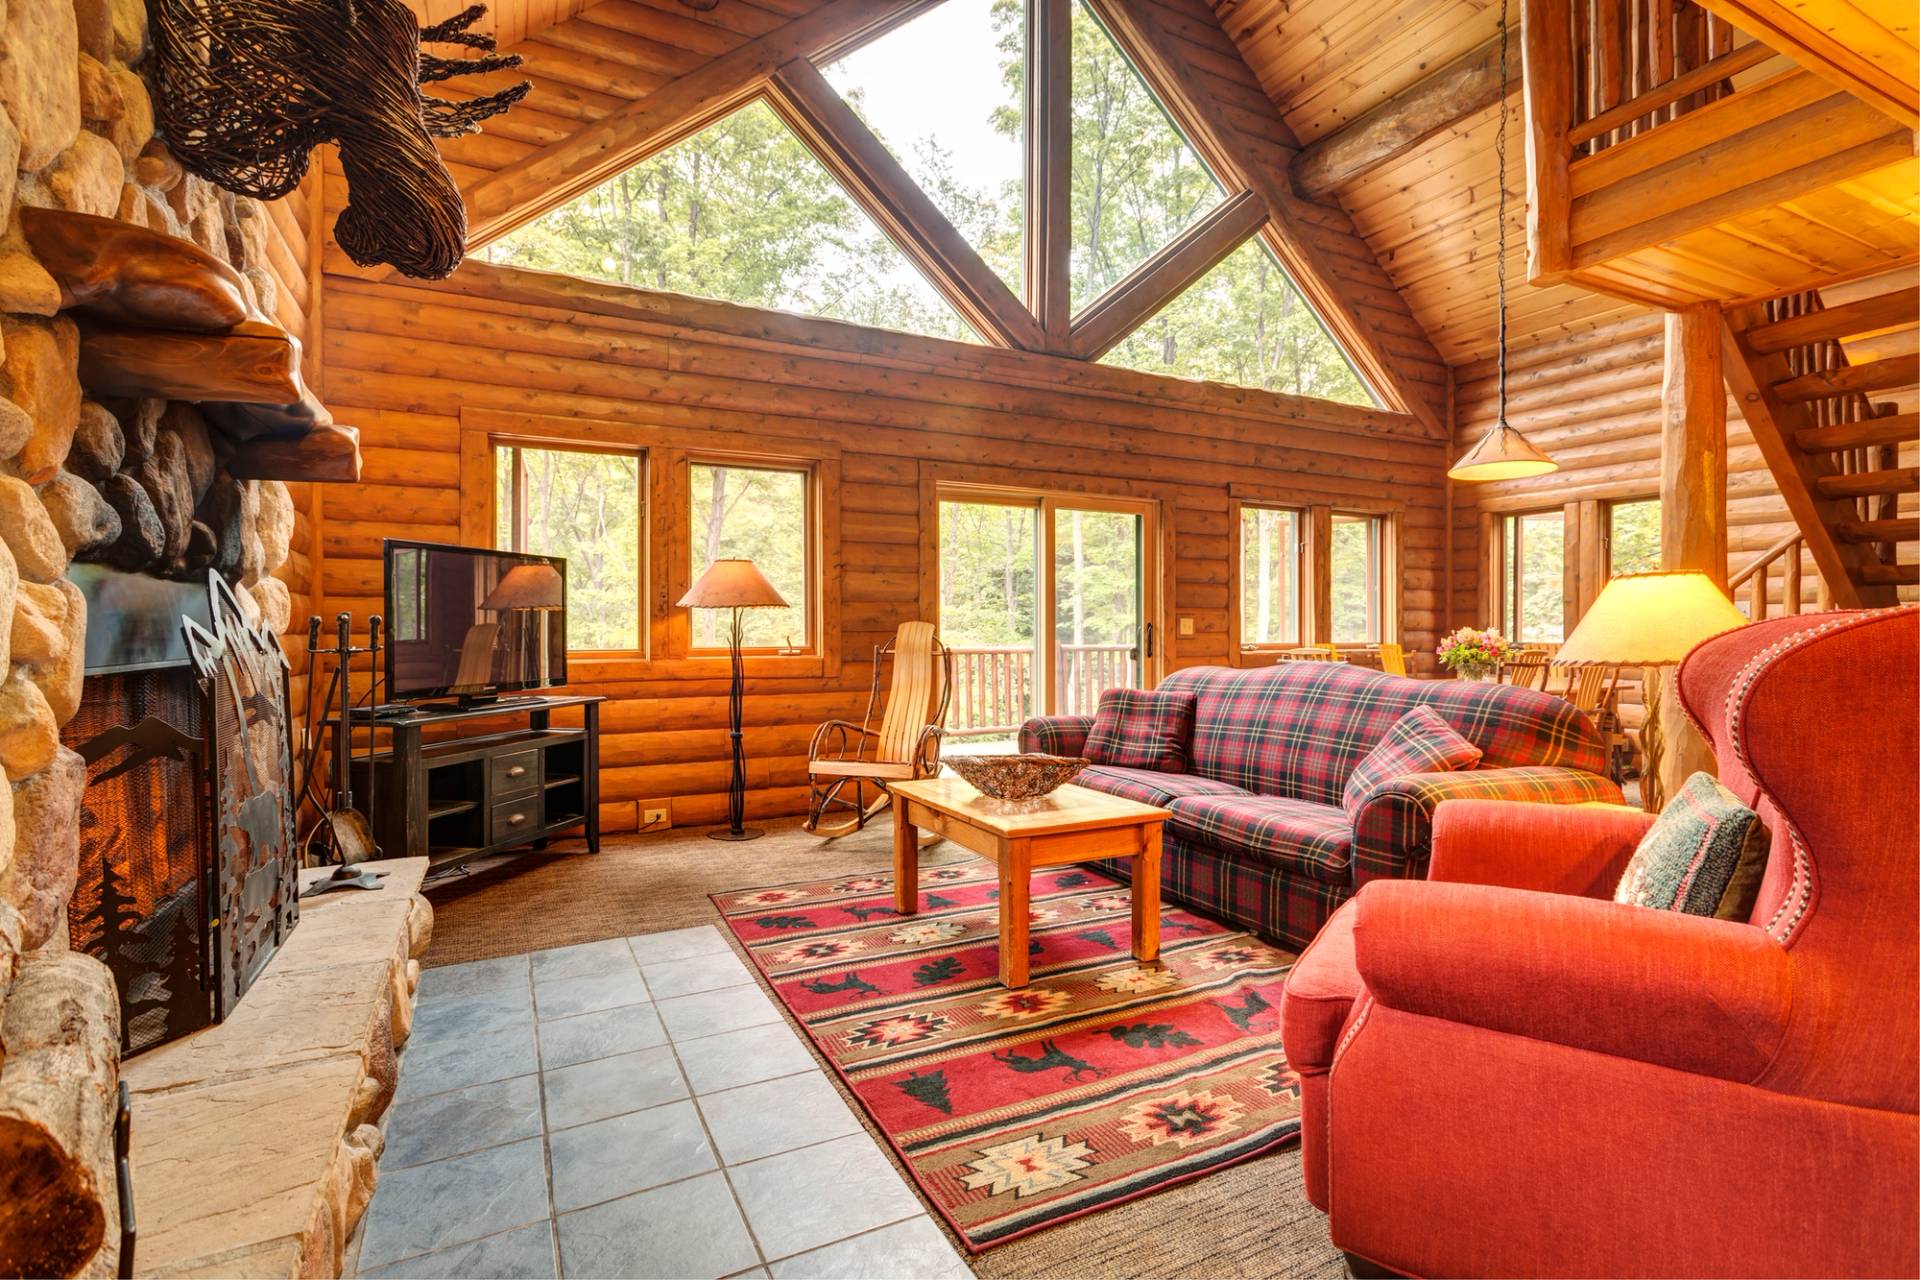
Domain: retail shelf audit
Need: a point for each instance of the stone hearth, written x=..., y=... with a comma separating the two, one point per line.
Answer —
x=255, y=1141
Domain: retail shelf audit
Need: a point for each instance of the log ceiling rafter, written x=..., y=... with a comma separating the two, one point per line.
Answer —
x=1463, y=88
x=780, y=67
x=1304, y=234
x=1844, y=44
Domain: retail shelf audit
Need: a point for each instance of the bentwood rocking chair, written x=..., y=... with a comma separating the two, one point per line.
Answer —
x=849, y=765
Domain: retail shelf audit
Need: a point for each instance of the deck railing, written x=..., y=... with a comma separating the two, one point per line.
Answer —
x=993, y=685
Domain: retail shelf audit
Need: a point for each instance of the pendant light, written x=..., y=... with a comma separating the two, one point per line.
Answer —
x=1503, y=453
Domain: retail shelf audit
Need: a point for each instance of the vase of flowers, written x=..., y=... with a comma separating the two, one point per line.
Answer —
x=1474, y=655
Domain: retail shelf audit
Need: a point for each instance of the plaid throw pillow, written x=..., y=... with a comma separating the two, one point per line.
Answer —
x=1419, y=742
x=1142, y=729
x=1704, y=855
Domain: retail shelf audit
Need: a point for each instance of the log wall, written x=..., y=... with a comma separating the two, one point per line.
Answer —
x=403, y=361
x=294, y=243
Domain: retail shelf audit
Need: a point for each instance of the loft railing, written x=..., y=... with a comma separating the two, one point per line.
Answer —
x=1641, y=63
x=993, y=685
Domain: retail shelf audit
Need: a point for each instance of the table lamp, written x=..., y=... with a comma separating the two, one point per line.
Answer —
x=1650, y=620
x=529, y=588
x=735, y=585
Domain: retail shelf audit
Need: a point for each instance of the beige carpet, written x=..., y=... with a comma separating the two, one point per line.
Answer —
x=1248, y=1220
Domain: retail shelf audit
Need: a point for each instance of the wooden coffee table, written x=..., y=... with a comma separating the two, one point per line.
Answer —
x=1072, y=824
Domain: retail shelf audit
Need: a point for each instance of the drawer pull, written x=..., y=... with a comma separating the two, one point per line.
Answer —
x=516, y=819
x=518, y=771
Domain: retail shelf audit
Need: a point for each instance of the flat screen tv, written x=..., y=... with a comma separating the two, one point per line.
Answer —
x=471, y=623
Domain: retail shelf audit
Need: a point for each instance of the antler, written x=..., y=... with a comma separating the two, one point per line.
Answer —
x=446, y=119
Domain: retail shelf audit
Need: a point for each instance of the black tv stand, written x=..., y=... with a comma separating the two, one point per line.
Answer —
x=480, y=788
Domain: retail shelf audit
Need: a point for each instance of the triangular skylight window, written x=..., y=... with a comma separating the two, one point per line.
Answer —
x=944, y=93
x=743, y=212
x=1244, y=323
x=1136, y=182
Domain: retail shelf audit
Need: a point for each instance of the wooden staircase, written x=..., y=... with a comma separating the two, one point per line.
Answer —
x=1841, y=438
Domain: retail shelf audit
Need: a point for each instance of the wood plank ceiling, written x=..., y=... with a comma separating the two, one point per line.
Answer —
x=1429, y=213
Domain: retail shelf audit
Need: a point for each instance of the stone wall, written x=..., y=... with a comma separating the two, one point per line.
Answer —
x=137, y=484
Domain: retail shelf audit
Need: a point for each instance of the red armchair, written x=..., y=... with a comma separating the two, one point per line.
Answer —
x=1505, y=1073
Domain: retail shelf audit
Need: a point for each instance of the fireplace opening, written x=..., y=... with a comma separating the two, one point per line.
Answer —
x=188, y=878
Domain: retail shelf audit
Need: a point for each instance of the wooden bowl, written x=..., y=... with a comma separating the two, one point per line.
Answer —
x=1022, y=777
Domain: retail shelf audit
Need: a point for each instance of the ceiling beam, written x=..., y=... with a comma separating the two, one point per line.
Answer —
x=1463, y=88
x=1049, y=167
x=1316, y=242
x=875, y=178
x=1840, y=44
x=1166, y=275
x=678, y=109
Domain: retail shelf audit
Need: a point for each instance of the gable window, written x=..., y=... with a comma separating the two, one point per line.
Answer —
x=1137, y=183
x=764, y=514
x=1245, y=323
x=1269, y=586
x=1355, y=566
x=585, y=505
x=1533, y=588
x=1633, y=537
x=941, y=91
x=743, y=212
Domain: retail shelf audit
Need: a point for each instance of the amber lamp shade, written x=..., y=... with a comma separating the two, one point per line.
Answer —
x=732, y=584
x=1649, y=620
x=1502, y=454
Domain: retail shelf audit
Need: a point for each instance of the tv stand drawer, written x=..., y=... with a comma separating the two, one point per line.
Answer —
x=514, y=773
x=514, y=819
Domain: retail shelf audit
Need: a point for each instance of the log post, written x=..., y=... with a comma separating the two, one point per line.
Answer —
x=1693, y=508
x=59, y=1094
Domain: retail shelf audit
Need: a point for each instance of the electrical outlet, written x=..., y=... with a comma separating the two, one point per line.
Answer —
x=1186, y=627
x=655, y=815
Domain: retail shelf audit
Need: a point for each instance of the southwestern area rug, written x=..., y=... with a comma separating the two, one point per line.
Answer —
x=1100, y=1081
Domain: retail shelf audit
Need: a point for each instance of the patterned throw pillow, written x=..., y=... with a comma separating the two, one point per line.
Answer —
x=1142, y=729
x=1419, y=742
x=1704, y=855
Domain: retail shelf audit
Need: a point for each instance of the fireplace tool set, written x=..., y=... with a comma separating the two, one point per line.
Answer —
x=350, y=835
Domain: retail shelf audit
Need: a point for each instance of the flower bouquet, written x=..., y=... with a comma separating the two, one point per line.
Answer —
x=1472, y=654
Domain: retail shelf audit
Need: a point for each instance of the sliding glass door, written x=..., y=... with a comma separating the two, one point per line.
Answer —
x=1045, y=600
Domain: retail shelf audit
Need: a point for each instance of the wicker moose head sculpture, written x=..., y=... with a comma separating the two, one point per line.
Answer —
x=245, y=89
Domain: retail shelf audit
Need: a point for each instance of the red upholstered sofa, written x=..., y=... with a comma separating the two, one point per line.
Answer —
x=1505, y=1073
x=1258, y=835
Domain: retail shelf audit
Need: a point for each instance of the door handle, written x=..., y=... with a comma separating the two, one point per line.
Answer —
x=1149, y=639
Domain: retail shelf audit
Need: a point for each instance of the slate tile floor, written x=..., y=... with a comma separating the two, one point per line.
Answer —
x=636, y=1107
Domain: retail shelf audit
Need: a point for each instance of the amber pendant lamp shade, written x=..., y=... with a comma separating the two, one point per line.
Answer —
x=735, y=585
x=1503, y=453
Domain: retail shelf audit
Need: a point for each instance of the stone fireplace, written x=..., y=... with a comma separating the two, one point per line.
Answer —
x=96, y=471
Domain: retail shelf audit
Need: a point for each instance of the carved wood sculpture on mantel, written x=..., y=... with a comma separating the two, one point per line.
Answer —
x=162, y=317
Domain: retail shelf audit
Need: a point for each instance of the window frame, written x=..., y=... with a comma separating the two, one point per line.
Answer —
x=1236, y=629
x=1607, y=525
x=519, y=518
x=808, y=469
x=1511, y=558
x=666, y=633
x=1383, y=553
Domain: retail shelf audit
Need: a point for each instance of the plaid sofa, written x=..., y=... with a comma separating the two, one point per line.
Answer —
x=1258, y=835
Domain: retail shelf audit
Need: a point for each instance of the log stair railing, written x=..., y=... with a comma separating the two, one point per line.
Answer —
x=1835, y=452
x=1756, y=579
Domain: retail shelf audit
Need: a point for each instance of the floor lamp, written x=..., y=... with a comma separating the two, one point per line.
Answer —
x=1650, y=620
x=735, y=585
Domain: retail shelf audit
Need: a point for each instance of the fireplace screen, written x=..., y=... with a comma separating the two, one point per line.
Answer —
x=188, y=880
